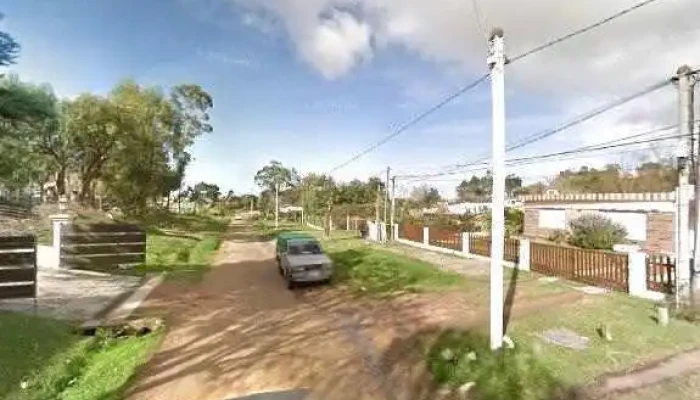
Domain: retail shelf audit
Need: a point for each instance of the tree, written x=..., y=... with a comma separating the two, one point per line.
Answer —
x=92, y=130
x=9, y=48
x=205, y=192
x=23, y=103
x=425, y=196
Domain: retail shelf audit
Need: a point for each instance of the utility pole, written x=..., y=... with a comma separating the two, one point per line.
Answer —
x=393, y=206
x=685, y=268
x=386, y=201
x=682, y=234
x=496, y=62
x=376, y=203
x=277, y=205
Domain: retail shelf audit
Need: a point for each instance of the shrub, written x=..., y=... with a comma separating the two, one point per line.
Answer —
x=596, y=232
x=558, y=236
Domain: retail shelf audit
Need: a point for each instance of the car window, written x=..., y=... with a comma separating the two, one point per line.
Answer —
x=304, y=248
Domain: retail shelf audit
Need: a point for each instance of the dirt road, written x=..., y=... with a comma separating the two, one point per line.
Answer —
x=241, y=332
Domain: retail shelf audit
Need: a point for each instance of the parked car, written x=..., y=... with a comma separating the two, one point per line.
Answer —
x=300, y=258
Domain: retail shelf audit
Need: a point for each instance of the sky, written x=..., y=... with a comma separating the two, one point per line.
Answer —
x=312, y=83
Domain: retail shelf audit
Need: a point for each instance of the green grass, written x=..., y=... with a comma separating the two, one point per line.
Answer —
x=535, y=365
x=457, y=358
x=637, y=339
x=181, y=246
x=52, y=362
x=368, y=269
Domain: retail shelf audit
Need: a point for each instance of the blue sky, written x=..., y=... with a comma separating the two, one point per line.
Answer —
x=277, y=96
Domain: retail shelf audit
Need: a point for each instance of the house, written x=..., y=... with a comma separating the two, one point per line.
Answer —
x=647, y=217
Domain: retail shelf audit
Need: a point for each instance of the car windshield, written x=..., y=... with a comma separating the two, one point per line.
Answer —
x=304, y=248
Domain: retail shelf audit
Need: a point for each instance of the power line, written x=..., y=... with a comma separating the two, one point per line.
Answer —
x=413, y=121
x=472, y=85
x=583, y=30
x=589, y=148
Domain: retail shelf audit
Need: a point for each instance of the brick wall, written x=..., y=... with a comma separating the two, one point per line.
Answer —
x=659, y=233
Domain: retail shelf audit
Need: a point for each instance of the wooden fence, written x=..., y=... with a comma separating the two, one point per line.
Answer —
x=15, y=211
x=411, y=232
x=446, y=238
x=18, y=267
x=480, y=245
x=511, y=250
x=661, y=273
x=594, y=267
x=102, y=247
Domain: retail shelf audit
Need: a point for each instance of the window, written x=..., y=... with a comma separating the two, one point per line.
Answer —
x=634, y=223
x=552, y=219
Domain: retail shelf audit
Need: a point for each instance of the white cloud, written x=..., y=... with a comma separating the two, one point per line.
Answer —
x=646, y=44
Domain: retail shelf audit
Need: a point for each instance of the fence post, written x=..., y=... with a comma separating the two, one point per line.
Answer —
x=347, y=222
x=636, y=273
x=395, y=232
x=465, y=242
x=426, y=235
x=57, y=223
x=524, y=256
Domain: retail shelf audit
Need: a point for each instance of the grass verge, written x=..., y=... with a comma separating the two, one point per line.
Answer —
x=464, y=358
x=43, y=359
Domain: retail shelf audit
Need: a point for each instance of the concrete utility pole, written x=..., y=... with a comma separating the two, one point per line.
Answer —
x=386, y=200
x=685, y=103
x=393, y=205
x=496, y=63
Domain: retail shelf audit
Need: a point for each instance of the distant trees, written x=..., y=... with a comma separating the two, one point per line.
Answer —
x=658, y=176
x=478, y=189
x=425, y=196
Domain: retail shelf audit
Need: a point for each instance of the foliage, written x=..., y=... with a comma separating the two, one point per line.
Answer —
x=478, y=189
x=514, y=221
x=596, y=232
x=558, y=236
x=54, y=363
x=457, y=358
x=425, y=196
x=658, y=176
x=9, y=48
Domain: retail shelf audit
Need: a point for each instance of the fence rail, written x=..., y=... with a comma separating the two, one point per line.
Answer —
x=410, y=232
x=446, y=238
x=18, y=267
x=102, y=247
x=661, y=273
x=592, y=267
x=511, y=250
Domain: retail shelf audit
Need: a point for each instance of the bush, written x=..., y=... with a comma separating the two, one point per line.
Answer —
x=596, y=232
x=558, y=236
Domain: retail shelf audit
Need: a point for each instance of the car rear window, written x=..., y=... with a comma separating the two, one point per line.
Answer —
x=304, y=248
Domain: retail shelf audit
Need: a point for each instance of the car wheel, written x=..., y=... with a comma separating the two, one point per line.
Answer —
x=291, y=285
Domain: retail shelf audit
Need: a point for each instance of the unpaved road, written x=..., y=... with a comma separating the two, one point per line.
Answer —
x=241, y=332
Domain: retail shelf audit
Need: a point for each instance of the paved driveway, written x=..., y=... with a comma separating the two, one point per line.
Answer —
x=74, y=295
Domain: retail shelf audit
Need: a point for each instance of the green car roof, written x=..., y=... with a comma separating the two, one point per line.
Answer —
x=294, y=235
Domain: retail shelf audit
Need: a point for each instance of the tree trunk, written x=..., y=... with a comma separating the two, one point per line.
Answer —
x=61, y=181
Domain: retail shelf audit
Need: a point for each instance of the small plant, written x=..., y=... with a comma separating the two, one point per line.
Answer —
x=558, y=236
x=464, y=360
x=596, y=232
